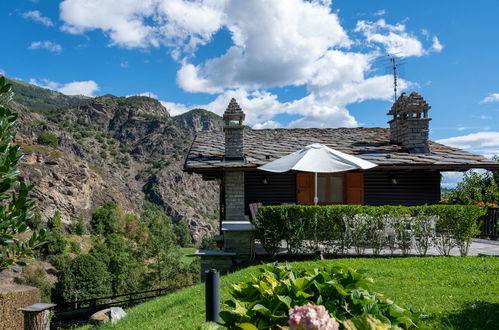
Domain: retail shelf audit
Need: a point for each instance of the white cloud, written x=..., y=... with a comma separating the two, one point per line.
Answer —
x=484, y=143
x=124, y=65
x=395, y=38
x=86, y=88
x=380, y=12
x=37, y=16
x=273, y=44
x=148, y=94
x=3, y=72
x=493, y=97
x=450, y=179
x=48, y=45
x=145, y=23
x=436, y=46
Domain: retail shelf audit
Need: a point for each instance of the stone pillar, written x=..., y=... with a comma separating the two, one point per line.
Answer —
x=36, y=317
x=234, y=196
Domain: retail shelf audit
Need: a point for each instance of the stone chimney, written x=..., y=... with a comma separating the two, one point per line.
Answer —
x=409, y=127
x=234, y=131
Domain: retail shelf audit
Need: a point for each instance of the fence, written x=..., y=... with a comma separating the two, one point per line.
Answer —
x=490, y=225
x=85, y=308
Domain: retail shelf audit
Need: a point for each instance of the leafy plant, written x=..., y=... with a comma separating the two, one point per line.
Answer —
x=265, y=300
x=15, y=206
x=339, y=227
x=48, y=138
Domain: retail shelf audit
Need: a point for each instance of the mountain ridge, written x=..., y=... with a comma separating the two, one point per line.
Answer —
x=109, y=148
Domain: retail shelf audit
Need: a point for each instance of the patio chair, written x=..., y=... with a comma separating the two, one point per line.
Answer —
x=254, y=209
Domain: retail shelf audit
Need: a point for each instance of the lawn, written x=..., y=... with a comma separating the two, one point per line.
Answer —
x=454, y=292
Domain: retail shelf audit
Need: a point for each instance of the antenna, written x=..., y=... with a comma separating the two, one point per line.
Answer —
x=393, y=60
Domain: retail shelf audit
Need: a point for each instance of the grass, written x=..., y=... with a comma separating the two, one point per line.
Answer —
x=454, y=293
x=185, y=252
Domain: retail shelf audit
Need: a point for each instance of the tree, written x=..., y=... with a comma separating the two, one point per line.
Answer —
x=15, y=204
x=56, y=242
x=106, y=219
x=160, y=243
x=183, y=236
x=477, y=187
x=85, y=277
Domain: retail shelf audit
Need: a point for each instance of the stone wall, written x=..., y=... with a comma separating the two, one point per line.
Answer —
x=13, y=297
x=234, y=196
x=234, y=141
x=414, y=134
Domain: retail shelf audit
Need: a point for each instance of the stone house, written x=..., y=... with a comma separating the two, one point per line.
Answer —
x=408, y=172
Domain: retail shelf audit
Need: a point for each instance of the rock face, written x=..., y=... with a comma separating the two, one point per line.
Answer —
x=126, y=150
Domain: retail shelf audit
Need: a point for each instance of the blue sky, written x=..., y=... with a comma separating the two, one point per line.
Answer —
x=289, y=63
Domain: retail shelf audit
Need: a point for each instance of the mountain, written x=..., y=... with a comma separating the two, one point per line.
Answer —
x=81, y=152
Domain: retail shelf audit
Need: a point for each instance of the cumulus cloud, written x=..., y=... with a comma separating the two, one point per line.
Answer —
x=492, y=97
x=484, y=143
x=395, y=39
x=86, y=88
x=37, y=16
x=273, y=44
x=48, y=45
x=132, y=24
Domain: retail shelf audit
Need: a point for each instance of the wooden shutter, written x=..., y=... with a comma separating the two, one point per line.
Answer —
x=355, y=188
x=305, y=188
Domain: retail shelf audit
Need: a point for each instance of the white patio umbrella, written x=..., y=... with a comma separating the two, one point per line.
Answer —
x=317, y=158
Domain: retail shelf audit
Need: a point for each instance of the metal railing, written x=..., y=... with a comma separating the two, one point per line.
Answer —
x=490, y=223
x=82, y=308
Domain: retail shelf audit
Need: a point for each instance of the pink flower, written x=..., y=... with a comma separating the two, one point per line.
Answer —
x=311, y=317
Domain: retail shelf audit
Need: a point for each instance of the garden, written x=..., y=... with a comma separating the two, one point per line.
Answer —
x=431, y=292
x=376, y=230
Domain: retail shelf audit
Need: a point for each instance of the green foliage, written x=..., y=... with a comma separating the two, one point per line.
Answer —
x=78, y=227
x=182, y=234
x=159, y=244
x=207, y=243
x=15, y=206
x=40, y=99
x=37, y=277
x=74, y=247
x=48, y=138
x=123, y=263
x=56, y=242
x=338, y=227
x=476, y=187
x=266, y=299
x=106, y=219
x=84, y=277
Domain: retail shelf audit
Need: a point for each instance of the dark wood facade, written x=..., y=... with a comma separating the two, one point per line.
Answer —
x=400, y=187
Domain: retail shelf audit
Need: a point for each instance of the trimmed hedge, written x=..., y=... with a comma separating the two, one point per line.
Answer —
x=339, y=227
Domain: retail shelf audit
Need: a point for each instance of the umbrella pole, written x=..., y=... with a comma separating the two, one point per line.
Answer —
x=316, y=198
x=316, y=201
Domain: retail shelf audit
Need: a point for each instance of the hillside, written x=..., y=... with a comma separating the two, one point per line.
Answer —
x=108, y=148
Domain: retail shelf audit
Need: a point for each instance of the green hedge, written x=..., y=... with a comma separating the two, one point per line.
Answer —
x=339, y=227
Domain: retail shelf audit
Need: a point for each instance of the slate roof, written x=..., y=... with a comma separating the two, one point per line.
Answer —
x=372, y=144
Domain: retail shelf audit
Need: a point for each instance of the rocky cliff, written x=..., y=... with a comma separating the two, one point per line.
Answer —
x=111, y=148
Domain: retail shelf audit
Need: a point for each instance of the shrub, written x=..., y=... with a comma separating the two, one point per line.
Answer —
x=339, y=227
x=106, y=219
x=265, y=300
x=48, y=138
x=37, y=277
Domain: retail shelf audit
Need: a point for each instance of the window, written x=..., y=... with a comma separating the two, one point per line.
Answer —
x=330, y=188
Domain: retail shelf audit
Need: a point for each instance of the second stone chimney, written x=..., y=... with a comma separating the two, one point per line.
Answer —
x=234, y=131
x=409, y=127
